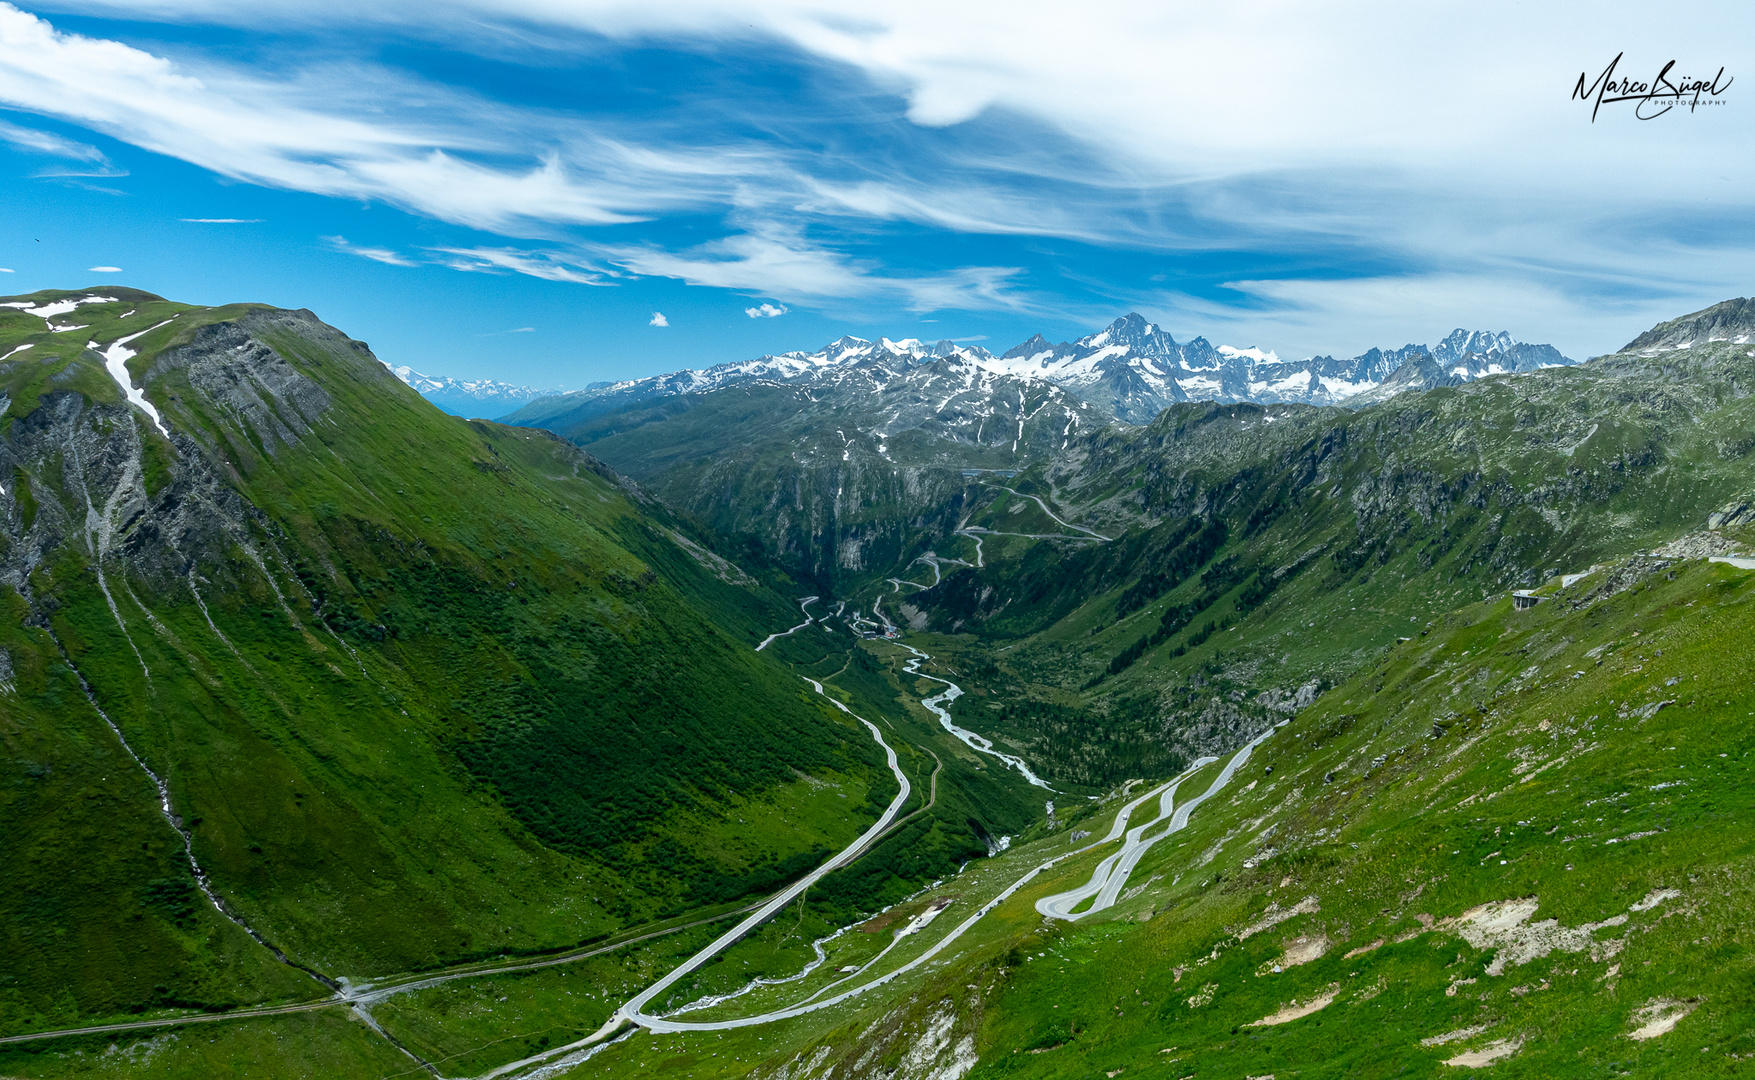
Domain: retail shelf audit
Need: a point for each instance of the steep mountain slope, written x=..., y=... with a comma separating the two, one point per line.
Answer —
x=1732, y=321
x=1462, y=831
x=1518, y=840
x=834, y=476
x=783, y=460
x=410, y=689
x=1511, y=839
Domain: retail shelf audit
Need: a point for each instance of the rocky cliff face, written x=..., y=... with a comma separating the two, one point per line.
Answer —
x=1731, y=321
x=99, y=476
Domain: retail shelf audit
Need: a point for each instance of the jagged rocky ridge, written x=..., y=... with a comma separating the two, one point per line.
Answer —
x=1130, y=370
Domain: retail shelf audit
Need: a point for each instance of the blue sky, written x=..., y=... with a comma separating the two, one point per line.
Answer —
x=513, y=188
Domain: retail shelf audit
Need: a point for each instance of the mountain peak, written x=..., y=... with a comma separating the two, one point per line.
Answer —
x=1730, y=320
x=1036, y=344
x=1132, y=330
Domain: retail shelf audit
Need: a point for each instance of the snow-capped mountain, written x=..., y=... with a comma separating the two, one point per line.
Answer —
x=1133, y=369
x=792, y=367
x=469, y=397
x=1473, y=354
x=1130, y=370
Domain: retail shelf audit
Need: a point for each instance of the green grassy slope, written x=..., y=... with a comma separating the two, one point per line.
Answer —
x=421, y=689
x=427, y=690
x=1490, y=842
x=1503, y=758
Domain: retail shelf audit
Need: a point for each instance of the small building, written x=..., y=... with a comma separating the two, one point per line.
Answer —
x=1523, y=599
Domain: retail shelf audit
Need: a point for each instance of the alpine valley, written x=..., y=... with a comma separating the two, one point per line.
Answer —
x=1121, y=707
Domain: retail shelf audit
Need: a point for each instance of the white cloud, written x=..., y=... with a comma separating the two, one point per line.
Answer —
x=548, y=266
x=658, y=319
x=775, y=259
x=105, y=269
x=1181, y=89
x=392, y=139
x=766, y=311
x=376, y=254
x=92, y=161
x=5, y=270
x=221, y=220
x=44, y=142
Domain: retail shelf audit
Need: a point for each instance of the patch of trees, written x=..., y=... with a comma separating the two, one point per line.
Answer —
x=1189, y=549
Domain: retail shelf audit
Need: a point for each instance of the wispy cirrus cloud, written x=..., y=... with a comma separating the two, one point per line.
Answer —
x=1276, y=135
x=403, y=141
x=376, y=254
x=776, y=259
x=547, y=265
x=47, y=142
x=79, y=161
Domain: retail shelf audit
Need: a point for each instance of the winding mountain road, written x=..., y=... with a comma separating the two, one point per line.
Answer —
x=1103, y=889
x=803, y=603
x=633, y=1009
x=1060, y=905
x=1057, y=518
x=632, y=1012
x=1178, y=819
x=1111, y=874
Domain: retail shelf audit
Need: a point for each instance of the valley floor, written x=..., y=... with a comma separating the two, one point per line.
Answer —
x=1519, y=841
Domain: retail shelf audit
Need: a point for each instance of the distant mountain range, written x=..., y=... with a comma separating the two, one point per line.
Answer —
x=1131, y=370
x=470, y=397
x=1134, y=370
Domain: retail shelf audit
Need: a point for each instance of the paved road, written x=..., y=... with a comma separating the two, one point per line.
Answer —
x=1060, y=905
x=802, y=604
x=1178, y=819
x=1111, y=875
x=177, y=1021
x=1052, y=514
x=971, y=534
x=633, y=1011
x=352, y=994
